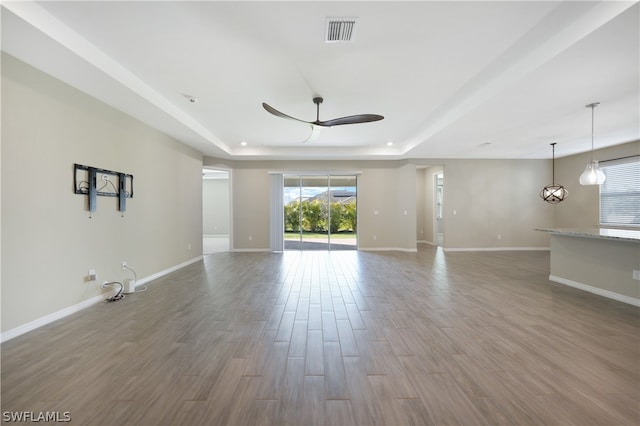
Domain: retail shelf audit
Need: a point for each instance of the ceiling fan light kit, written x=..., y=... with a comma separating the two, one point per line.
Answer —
x=592, y=174
x=315, y=133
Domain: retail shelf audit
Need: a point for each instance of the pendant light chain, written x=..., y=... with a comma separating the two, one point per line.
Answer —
x=553, y=163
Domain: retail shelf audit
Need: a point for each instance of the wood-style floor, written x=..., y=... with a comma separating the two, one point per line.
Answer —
x=344, y=338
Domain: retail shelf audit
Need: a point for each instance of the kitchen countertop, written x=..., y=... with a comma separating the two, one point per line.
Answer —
x=630, y=235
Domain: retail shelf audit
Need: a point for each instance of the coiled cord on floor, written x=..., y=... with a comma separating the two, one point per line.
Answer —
x=118, y=295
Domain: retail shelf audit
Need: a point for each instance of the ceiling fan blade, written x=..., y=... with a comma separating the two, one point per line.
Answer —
x=352, y=119
x=316, y=125
x=277, y=113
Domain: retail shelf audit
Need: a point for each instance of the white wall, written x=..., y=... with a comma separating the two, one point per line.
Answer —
x=48, y=240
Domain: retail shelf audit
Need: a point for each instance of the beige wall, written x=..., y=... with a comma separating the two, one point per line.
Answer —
x=602, y=264
x=496, y=203
x=215, y=206
x=49, y=243
x=581, y=208
x=387, y=208
x=491, y=198
x=48, y=240
x=250, y=188
x=406, y=207
x=387, y=187
x=421, y=216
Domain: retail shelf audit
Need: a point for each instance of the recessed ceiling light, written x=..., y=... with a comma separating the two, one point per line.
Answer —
x=243, y=143
x=389, y=143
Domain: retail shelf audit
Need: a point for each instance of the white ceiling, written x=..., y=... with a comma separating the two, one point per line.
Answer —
x=453, y=79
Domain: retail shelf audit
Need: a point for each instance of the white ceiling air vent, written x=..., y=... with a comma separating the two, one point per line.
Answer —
x=340, y=29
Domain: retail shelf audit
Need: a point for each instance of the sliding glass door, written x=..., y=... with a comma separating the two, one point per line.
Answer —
x=320, y=212
x=343, y=210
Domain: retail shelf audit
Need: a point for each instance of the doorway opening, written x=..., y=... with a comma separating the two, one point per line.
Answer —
x=320, y=212
x=216, y=208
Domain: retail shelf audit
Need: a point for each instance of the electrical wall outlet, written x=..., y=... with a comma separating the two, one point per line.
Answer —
x=92, y=276
x=124, y=264
x=636, y=274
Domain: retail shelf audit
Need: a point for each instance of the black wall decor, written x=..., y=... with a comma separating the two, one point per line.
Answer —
x=95, y=182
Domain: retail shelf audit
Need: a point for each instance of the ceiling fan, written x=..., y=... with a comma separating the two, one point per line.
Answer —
x=351, y=119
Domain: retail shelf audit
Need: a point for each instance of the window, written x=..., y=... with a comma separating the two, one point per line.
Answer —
x=620, y=193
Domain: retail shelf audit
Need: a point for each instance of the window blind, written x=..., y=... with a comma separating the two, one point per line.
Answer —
x=620, y=193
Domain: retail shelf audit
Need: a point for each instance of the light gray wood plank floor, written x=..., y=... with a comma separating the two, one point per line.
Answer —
x=344, y=338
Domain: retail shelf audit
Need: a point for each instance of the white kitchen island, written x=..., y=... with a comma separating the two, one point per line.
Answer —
x=598, y=260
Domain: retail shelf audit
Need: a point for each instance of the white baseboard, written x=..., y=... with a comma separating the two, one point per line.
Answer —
x=235, y=250
x=407, y=250
x=595, y=290
x=497, y=249
x=157, y=275
x=32, y=325
x=24, y=328
x=215, y=236
x=431, y=243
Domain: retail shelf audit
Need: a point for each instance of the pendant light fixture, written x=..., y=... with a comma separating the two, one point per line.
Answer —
x=554, y=193
x=592, y=174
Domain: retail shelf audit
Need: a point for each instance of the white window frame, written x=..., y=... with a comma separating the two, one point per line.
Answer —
x=633, y=221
